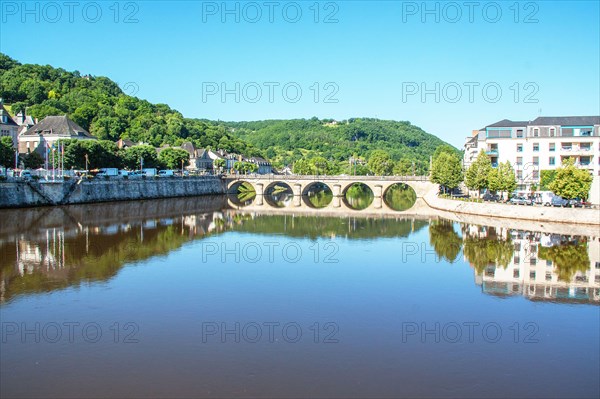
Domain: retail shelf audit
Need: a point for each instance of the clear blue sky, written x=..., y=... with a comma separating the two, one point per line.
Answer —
x=372, y=53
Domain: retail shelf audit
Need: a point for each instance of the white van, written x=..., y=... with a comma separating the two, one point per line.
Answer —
x=544, y=197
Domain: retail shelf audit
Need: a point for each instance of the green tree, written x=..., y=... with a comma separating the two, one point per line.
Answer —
x=7, y=152
x=571, y=182
x=403, y=167
x=33, y=160
x=477, y=175
x=381, y=163
x=219, y=164
x=447, y=171
x=172, y=158
x=508, y=180
x=132, y=157
x=547, y=176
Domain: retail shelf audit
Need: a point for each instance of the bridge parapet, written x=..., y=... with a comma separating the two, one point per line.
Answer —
x=337, y=184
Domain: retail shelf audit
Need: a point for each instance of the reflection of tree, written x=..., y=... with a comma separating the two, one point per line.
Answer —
x=97, y=261
x=359, y=196
x=445, y=241
x=483, y=252
x=320, y=226
x=568, y=258
x=320, y=199
x=400, y=197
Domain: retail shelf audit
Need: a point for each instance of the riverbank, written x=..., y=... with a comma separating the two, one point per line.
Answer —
x=23, y=194
x=567, y=216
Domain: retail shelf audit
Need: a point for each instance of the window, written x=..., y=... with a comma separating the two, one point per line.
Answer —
x=536, y=161
x=585, y=146
x=516, y=273
x=536, y=147
x=566, y=132
x=536, y=132
x=585, y=132
x=548, y=276
x=520, y=133
x=519, y=161
x=552, y=132
x=585, y=161
x=567, y=146
x=552, y=147
x=519, y=147
x=551, y=161
x=535, y=174
x=519, y=174
x=532, y=275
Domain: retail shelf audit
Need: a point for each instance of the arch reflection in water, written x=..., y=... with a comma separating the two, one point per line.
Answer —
x=278, y=195
x=400, y=197
x=242, y=194
x=358, y=196
x=317, y=195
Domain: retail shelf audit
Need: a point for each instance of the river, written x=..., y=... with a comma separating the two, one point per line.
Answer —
x=189, y=298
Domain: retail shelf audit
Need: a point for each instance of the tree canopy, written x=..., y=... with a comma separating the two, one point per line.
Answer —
x=571, y=182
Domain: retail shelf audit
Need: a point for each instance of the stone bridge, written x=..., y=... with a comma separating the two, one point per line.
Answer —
x=338, y=185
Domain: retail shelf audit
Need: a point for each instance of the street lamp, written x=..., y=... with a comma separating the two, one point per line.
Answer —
x=86, y=165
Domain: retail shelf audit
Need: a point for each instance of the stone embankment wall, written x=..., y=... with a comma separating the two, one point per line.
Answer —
x=35, y=193
x=569, y=216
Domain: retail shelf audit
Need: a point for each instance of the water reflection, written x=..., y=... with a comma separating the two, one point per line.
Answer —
x=358, y=196
x=51, y=248
x=242, y=194
x=400, y=197
x=279, y=195
x=539, y=266
x=318, y=195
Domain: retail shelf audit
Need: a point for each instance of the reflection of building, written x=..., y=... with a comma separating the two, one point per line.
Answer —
x=536, y=278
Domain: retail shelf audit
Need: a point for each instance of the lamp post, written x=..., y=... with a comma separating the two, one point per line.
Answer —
x=86, y=165
x=181, y=167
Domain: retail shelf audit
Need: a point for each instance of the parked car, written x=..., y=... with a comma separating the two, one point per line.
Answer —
x=521, y=201
x=164, y=173
x=491, y=197
x=544, y=198
x=25, y=174
x=559, y=201
x=105, y=172
x=575, y=203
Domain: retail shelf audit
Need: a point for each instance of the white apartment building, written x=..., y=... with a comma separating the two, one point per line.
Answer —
x=533, y=146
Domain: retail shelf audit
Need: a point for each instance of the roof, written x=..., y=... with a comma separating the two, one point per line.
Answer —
x=566, y=120
x=58, y=126
x=550, y=121
x=9, y=119
x=27, y=121
x=508, y=123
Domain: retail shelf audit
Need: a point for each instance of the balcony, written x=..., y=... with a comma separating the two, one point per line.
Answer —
x=492, y=152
